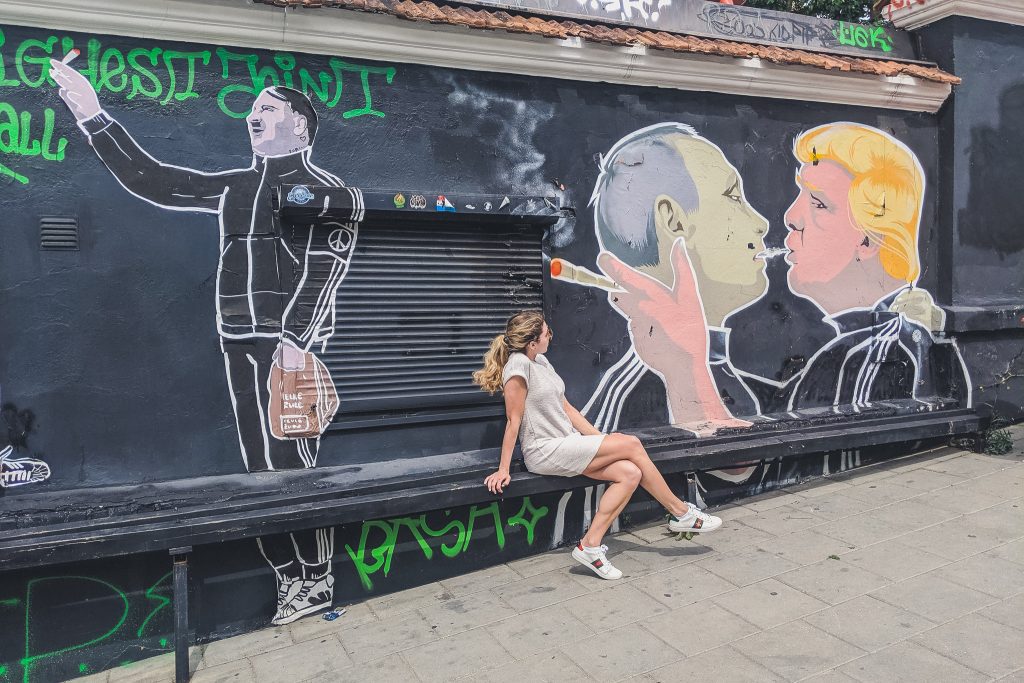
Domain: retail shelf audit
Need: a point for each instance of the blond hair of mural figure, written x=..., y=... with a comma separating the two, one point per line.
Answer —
x=264, y=321
x=556, y=439
x=679, y=236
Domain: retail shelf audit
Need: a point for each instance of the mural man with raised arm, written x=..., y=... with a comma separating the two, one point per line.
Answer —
x=269, y=313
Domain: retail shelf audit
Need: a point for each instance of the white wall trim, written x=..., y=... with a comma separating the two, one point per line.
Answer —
x=360, y=35
x=914, y=13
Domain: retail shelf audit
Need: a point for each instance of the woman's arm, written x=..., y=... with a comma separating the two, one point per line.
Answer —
x=581, y=423
x=515, y=405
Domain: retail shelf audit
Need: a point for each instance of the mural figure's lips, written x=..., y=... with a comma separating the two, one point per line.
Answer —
x=256, y=127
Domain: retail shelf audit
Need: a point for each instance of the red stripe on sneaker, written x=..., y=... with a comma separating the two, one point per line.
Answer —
x=580, y=545
x=597, y=563
x=698, y=523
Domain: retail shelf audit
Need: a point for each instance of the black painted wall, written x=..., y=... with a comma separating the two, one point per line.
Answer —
x=112, y=350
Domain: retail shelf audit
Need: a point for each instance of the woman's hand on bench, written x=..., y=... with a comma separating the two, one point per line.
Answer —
x=496, y=482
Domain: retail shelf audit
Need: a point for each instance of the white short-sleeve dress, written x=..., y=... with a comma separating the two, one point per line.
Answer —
x=550, y=443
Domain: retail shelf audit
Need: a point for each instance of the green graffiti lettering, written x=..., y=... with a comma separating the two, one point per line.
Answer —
x=319, y=88
x=880, y=39
x=21, y=59
x=30, y=659
x=108, y=75
x=378, y=558
x=163, y=601
x=190, y=57
x=286, y=63
x=4, y=81
x=157, y=87
x=340, y=67
x=258, y=79
x=860, y=36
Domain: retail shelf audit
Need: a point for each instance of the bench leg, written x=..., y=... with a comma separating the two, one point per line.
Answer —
x=691, y=488
x=181, y=666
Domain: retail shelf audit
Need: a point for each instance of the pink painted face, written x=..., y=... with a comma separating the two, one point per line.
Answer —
x=823, y=238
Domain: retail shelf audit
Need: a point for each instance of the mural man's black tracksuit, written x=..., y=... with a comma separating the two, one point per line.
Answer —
x=264, y=290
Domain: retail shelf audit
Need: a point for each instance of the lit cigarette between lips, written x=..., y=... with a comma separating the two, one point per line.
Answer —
x=563, y=270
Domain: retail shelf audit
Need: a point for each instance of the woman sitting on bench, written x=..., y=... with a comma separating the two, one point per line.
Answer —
x=557, y=440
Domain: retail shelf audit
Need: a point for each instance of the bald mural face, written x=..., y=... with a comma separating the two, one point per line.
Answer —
x=724, y=235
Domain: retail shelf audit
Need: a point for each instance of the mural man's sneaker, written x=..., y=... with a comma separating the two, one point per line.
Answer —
x=596, y=560
x=21, y=471
x=305, y=597
x=693, y=522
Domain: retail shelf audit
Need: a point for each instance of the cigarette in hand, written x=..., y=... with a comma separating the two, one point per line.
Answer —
x=70, y=56
x=563, y=270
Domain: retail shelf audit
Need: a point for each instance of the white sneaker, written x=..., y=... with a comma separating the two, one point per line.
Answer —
x=693, y=522
x=596, y=560
x=305, y=597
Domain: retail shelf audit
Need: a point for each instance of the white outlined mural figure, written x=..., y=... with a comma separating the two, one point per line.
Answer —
x=21, y=471
x=269, y=312
x=852, y=250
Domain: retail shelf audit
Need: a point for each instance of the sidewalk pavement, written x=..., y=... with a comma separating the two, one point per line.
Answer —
x=912, y=570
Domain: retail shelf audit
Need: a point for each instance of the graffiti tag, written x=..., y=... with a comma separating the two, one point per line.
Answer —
x=867, y=37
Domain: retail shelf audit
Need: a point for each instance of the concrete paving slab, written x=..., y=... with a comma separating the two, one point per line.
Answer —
x=894, y=560
x=969, y=465
x=924, y=479
x=921, y=595
x=818, y=487
x=797, y=650
x=620, y=605
x=912, y=514
x=462, y=614
x=1013, y=551
x=549, y=667
x=541, y=590
x=732, y=536
x=1009, y=612
x=301, y=661
x=389, y=668
x=806, y=547
x=869, y=623
x=664, y=554
x=861, y=530
x=992, y=575
x=539, y=630
x=881, y=493
x=624, y=652
x=785, y=519
x=978, y=643
x=457, y=656
x=994, y=484
x=833, y=507
x=833, y=581
x=255, y=643
x=769, y=603
x=682, y=585
x=957, y=538
x=481, y=580
x=722, y=664
x=699, y=627
x=770, y=500
x=829, y=677
x=240, y=671
x=908, y=661
x=315, y=626
x=542, y=564
x=746, y=567
x=367, y=642
x=405, y=601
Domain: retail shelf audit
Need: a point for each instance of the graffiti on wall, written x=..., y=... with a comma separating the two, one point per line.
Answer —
x=750, y=23
x=77, y=624
x=168, y=77
x=18, y=471
x=685, y=250
x=271, y=316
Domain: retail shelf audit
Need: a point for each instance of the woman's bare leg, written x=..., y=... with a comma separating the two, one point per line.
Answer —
x=619, y=447
x=625, y=476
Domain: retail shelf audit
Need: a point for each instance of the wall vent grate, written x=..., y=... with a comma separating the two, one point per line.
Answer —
x=58, y=233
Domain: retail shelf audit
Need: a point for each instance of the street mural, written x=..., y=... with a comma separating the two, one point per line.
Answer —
x=270, y=313
x=684, y=250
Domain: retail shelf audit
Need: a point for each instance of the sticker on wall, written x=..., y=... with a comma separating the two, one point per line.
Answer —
x=21, y=471
x=444, y=205
x=399, y=201
x=504, y=202
x=488, y=206
x=471, y=207
x=417, y=201
x=300, y=194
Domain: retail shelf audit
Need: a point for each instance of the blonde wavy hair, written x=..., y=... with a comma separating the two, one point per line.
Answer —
x=521, y=329
x=887, y=193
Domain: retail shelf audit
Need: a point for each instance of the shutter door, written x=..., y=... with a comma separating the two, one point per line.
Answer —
x=419, y=307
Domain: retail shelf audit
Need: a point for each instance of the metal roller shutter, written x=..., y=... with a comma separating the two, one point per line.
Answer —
x=419, y=307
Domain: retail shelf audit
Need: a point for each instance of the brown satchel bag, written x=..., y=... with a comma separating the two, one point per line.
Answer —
x=303, y=401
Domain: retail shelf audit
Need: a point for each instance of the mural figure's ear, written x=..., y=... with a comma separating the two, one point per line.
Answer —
x=867, y=249
x=301, y=125
x=671, y=217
